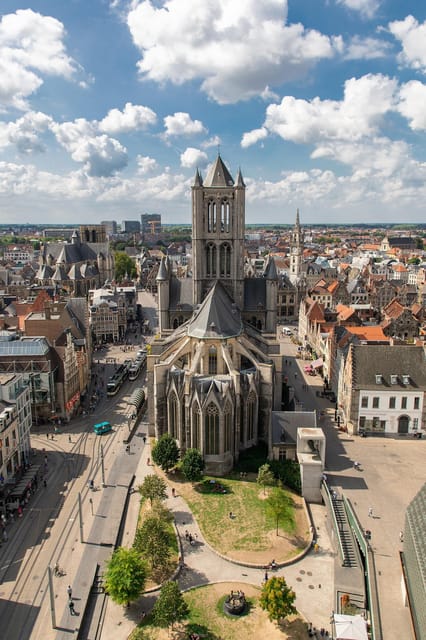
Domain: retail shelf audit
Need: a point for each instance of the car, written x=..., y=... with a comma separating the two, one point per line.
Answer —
x=102, y=427
x=286, y=331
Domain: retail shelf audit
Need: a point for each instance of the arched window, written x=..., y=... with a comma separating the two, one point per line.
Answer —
x=224, y=216
x=173, y=415
x=225, y=260
x=211, y=253
x=250, y=417
x=211, y=422
x=212, y=361
x=196, y=440
x=228, y=428
x=211, y=216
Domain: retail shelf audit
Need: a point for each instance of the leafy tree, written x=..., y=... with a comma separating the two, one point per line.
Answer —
x=125, y=576
x=124, y=264
x=280, y=507
x=160, y=511
x=265, y=477
x=288, y=471
x=153, y=488
x=165, y=452
x=170, y=606
x=152, y=541
x=192, y=465
x=277, y=599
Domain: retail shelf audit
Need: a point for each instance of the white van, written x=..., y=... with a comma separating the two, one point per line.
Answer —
x=286, y=331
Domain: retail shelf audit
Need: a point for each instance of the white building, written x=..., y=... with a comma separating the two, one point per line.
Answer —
x=15, y=424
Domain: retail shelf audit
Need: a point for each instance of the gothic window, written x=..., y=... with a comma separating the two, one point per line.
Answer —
x=224, y=216
x=211, y=216
x=211, y=422
x=212, y=361
x=251, y=406
x=211, y=260
x=173, y=415
x=225, y=260
x=228, y=428
x=195, y=442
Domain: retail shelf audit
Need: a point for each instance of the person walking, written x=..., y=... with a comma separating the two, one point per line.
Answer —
x=71, y=607
x=401, y=536
x=266, y=576
x=69, y=592
x=370, y=512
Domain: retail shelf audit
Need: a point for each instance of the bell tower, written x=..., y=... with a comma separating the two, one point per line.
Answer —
x=296, y=250
x=218, y=224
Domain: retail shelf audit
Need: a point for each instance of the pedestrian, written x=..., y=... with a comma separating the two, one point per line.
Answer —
x=147, y=462
x=71, y=607
x=47, y=435
x=144, y=439
x=316, y=547
x=173, y=492
x=186, y=534
x=69, y=592
x=191, y=539
x=401, y=536
x=370, y=512
x=266, y=576
x=4, y=535
x=44, y=483
x=69, y=438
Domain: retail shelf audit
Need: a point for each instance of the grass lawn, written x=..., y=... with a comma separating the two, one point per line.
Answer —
x=251, y=530
x=207, y=619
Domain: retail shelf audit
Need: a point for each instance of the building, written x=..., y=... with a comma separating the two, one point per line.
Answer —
x=382, y=390
x=414, y=561
x=214, y=374
x=110, y=227
x=107, y=315
x=151, y=224
x=130, y=226
x=15, y=425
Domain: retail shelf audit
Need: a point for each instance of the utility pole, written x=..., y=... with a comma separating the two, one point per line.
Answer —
x=52, y=597
x=102, y=465
x=80, y=515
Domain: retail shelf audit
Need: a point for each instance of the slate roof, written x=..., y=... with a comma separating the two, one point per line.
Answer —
x=217, y=316
x=416, y=520
x=400, y=360
x=180, y=293
x=254, y=293
x=286, y=423
x=218, y=175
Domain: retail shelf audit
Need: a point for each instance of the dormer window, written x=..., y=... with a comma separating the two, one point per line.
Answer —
x=379, y=378
x=394, y=379
x=405, y=379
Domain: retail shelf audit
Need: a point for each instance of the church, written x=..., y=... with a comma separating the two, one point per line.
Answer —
x=214, y=373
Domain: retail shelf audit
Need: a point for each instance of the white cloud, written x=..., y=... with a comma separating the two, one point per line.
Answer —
x=101, y=155
x=146, y=165
x=218, y=44
x=214, y=141
x=412, y=104
x=30, y=45
x=181, y=124
x=366, y=100
x=366, y=8
x=366, y=49
x=193, y=158
x=25, y=132
x=251, y=137
x=133, y=117
x=412, y=37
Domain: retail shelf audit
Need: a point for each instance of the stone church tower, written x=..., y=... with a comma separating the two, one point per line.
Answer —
x=214, y=374
x=296, y=250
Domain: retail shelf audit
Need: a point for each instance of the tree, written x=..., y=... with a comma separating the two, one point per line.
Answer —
x=165, y=452
x=265, y=477
x=280, y=507
x=125, y=576
x=170, y=606
x=277, y=599
x=124, y=265
x=153, y=488
x=152, y=541
x=192, y=465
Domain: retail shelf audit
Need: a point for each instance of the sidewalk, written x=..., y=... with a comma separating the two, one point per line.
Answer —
x=312, y=577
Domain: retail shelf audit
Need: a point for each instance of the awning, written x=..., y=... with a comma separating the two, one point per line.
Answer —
x=350, y=627
x=317, y=364
x=308, y=367
x=137, y=398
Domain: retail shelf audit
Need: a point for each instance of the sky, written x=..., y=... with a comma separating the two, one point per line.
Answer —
x=108, y=107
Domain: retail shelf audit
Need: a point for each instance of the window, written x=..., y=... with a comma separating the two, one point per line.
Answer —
x=211, y=423
x=375, y=403
x=196, y=428
x=228, y=427
x=211, y=260
x=362, y=422
x=173, y=416
x=212, y=361
x=392, y=402
x=282, y=454
x=225, y=260
x=405, y=379
x=379, y=378
x=364, y=402
x=415, y=424
x=250, y=416
x=417, y=403
x=403, y=402
x=394, y=379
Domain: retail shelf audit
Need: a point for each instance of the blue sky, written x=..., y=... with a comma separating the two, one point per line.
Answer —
x=107, y=107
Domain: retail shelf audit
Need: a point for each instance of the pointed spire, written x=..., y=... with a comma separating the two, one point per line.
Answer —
x=198, y=182
x=297, y=218
x=240, y=181
x=218, y=176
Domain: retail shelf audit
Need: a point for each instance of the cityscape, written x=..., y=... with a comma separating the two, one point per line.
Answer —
x=212, y=320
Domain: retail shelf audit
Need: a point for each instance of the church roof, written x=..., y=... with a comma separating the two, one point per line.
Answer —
x=271, y=270
x=217, y=316
x=218, y=176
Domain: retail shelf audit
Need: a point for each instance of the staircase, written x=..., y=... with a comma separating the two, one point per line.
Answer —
x=350, y=558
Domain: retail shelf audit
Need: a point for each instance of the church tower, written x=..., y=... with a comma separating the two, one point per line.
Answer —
x=218, y=221
x=296, y=250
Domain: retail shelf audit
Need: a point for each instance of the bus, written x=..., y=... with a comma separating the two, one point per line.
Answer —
x=116, y=380
x=102, y=427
